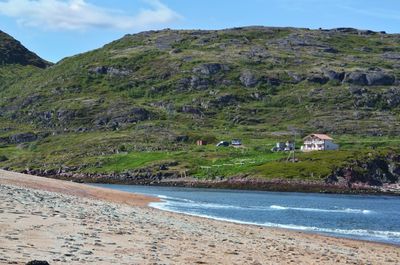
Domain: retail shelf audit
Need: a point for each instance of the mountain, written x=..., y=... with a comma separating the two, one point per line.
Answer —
x=160, y=91
x=13, y=52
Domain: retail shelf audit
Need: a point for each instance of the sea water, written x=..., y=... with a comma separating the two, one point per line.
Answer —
x=373, y=218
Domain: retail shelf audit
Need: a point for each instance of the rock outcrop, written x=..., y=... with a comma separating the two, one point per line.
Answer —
x=371, y=171
x=370, y=78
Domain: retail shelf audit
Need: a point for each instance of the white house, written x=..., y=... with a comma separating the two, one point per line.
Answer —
x=318, y=142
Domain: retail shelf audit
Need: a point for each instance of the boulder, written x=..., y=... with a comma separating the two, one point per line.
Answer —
x=354, y=90
x=98, y=70
x=370, y=78
x=37, y=262
x=113, y=71
x=248, y=79
x=225, y=100
x=32, y=99
x=392, y=97
x=191, y=110
x=333, y=75
x=391, y=56
x=23, y=138
x=330, y=50
x=295, y=77
x=183, y=84
x=210, y=69
x=140, y=114
x=380, y=78
x=318, y=78
x=182, y=138
x=199, y=83
x=272, y=81
x=356, y=78
x=65, y=115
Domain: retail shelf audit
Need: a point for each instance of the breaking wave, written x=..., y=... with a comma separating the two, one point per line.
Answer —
x=179, y=202
x=189, y=207
x=347, y=210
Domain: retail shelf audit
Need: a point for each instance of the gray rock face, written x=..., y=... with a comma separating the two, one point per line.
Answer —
x=191, y=110
x=370, y=78
x=295, y=77
x=356, y=78
x=165, y=42
x=32, y=99
x=355, y=31
x=380, y=78
x=318, y=78
x=248, y=79
x=115, y=119
x=199, y=83
x=333, y=75
x=23, y=138
x=330, y=50
x=225, y=100
x=391, y=56
x=103, y=70
x=140, y=114
x=210, y=69
x=392, y=97
x=64, y=115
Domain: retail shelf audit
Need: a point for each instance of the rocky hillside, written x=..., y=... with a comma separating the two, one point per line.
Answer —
x=163, y=90
x=336, y=81
x=13, y=52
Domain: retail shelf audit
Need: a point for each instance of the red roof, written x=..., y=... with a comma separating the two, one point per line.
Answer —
x=320, y=136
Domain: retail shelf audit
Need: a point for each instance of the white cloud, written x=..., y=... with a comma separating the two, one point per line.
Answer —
x=79, y=14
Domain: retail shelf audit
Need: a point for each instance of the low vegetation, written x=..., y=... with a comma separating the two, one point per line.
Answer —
x=142, y=102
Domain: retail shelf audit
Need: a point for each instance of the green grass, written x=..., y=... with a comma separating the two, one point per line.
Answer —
x=124, y=162
x=32, y=99
x=314, y=165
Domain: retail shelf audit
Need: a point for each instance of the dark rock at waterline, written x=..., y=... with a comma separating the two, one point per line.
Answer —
x=37, y=262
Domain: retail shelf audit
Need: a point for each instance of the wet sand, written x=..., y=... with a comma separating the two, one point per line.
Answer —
x=70, y=223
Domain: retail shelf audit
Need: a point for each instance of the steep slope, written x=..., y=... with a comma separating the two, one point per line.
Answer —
x=163, y=90
x=13, y=52
x=335, y=81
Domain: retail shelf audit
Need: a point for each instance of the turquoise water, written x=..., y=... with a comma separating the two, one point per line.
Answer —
x=374, y=218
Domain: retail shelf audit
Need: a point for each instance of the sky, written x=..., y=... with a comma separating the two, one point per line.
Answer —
x=55, y=29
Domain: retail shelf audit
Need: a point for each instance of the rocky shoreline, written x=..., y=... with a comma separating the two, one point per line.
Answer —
x=239, y=183
x=378, y=174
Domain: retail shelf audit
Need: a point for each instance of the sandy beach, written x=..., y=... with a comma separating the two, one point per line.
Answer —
x=69, y=223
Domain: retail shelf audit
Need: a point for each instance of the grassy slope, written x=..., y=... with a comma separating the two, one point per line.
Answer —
x=150, y=69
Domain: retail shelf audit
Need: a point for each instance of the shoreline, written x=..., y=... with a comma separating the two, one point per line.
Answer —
x=143, y=235
x=75, y=189
x=239, y=183
x=326, y=235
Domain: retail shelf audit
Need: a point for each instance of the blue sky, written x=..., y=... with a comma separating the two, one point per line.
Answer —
x=55, y=29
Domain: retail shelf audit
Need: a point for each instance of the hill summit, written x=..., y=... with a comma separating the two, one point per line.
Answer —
x=13, y=52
